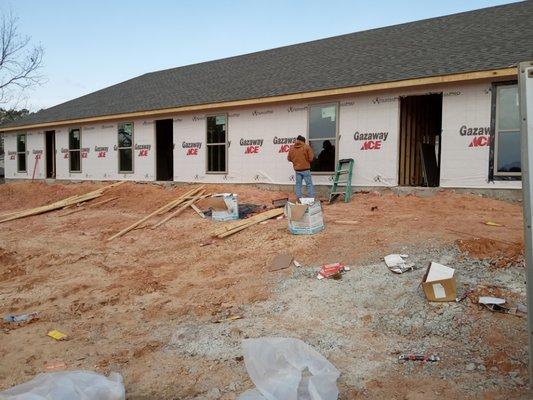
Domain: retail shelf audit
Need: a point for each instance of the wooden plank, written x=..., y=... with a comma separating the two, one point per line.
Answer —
x=179, y=210
x=346, y=222
x=401, y=147
x=139, y=222
x=409, y=111
x=261, y=217
x=181, y=199
x=198, y=211
x=235, y=224
x=510, y=72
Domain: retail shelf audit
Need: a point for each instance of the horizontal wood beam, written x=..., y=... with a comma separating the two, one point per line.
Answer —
x=441, y=79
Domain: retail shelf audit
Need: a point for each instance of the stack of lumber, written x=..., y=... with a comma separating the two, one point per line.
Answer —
x=92, y=205
x=239, y=225
x=69, y=201
x=185, y=200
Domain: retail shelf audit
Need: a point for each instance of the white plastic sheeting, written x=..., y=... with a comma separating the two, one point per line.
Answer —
x=79, y=385
x=288, y=369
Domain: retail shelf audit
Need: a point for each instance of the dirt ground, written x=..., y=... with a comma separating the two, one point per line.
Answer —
x=146, y=304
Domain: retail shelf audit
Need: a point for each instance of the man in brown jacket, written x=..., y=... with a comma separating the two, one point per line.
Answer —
x=301, y=155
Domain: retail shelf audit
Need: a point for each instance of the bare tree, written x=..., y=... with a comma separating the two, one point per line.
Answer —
x=20, y=61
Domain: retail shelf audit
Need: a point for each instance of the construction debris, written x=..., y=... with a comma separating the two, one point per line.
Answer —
x=396, y=263
x=438, y=283
x=92, y=205
x=418, y=357
x=237, y=226
x=167, y=207
x=84, y=385
x=21, y=317
x=287, y=368
x=55, y=334
x=332, y=271
x=281, y=261
x=500, y=305
x=70, y=201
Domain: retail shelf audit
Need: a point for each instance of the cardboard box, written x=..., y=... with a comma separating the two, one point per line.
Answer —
x=224, y=206
x=439, y=283
x=304, y=219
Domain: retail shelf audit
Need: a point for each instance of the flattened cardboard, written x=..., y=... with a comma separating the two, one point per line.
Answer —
x=217, y=203
x=281, y=261
x=297, y=211
x=440, y=289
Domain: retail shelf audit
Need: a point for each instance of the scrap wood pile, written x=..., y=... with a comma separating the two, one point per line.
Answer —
x=61, y=204
x=185, y=201
x=239, y=225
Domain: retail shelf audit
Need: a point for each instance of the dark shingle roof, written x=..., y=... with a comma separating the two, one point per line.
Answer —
x=485, y=39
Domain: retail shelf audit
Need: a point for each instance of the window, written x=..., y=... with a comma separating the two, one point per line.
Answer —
x=323, y=136
x=507, y=131
x=125, y=147
x=21, y=153
x=74, y=149
x=217, y=140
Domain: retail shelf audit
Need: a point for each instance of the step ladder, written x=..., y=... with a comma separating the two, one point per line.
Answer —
x=343, y=176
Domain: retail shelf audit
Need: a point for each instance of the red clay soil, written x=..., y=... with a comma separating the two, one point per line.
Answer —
x=118, y=301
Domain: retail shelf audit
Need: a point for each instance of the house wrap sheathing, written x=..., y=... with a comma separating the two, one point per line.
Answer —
x=259, y=135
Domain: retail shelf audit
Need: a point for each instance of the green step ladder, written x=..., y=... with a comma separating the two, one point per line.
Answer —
x=344, y=170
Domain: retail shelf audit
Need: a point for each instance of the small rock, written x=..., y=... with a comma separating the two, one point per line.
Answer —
x=481, y=367
x=470, y=367
x=213, y=393
x=513, y=374
x=494, y=369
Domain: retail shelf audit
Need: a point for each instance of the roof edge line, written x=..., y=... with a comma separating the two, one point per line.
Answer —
x=413, y=82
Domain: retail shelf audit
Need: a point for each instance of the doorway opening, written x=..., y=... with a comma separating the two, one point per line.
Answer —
x=50, y=139
x=420, y=140
x=164, y=145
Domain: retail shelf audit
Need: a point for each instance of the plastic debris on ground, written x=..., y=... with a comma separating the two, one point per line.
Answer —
x=396, y=263
x=21, y=317
x=332, y=271
x=79, y=385
x=57, y=335
x=497, y=304
x=418, y=357
x=288, y=369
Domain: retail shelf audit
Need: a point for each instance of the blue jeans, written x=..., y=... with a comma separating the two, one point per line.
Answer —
x=306, y=176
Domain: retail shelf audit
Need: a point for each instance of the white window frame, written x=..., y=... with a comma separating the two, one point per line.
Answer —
x=25, y=153
x=337, y=136
x=70, y=151
x=497, y=131
x=126, y=148
x=207, y=144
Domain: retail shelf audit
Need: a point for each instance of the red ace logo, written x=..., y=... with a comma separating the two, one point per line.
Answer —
x=480, y=141
x=371, y=140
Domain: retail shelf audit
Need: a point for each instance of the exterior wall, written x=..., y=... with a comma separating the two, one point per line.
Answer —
x=464, y=161
x=34, y=156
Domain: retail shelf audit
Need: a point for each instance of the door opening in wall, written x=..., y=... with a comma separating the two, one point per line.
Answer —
x=50, y=138
x=420, y=140
x=164, y=144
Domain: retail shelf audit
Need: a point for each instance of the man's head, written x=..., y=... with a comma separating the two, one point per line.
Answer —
x=300, y=138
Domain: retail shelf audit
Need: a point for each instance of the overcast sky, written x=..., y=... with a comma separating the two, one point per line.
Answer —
x=93, y=44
